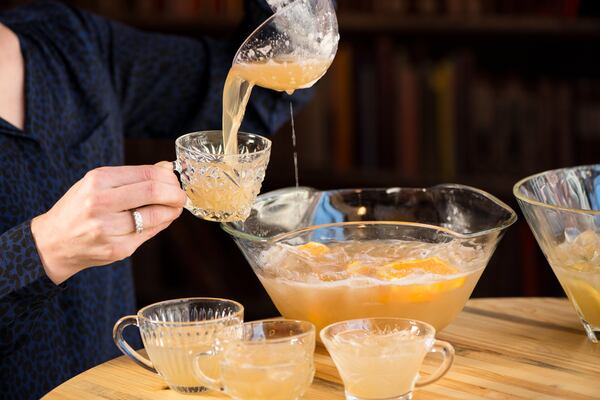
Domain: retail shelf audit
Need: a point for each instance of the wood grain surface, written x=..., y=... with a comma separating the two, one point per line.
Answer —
x=510, y=348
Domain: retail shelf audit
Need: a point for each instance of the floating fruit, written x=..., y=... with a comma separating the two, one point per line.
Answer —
x=356, y=268
x=587, y=299
x=401, y=269
x=315, y=249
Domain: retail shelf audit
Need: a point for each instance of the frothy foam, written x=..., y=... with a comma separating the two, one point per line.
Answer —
x=358, y=263
x=299, y=21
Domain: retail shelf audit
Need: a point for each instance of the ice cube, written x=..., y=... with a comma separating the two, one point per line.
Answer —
x=571, y=234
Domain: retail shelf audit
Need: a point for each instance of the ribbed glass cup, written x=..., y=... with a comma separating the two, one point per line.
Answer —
x=173, y=331
x=562, y=208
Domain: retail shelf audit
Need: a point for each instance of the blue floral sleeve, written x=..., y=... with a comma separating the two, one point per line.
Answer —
x=24, y=284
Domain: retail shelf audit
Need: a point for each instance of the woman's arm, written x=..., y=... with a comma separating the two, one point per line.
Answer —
x=169, y=85
x=91, y=225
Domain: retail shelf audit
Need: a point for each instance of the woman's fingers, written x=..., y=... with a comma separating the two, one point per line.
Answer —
x=165, y=164
x=92, y=223
x=152, y=216
x=112, y=177
x=144, y=193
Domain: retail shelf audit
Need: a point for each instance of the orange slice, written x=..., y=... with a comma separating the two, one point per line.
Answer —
x=422, y=292
x=428, y=292
x=586, y=299
x=582, y=267
x=356, y=268
x=400, y=269
x=315, y=249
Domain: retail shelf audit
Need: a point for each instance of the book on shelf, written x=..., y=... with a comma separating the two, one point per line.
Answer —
x=406, y=117
x=429, y=151
x=367, y=103
x=185, y=8
x=312, y=127
x=563, y=113
x=394, y=6
x=341, y=78
x=479, y=137
x=545, y=141
x=462, y=82
x=442, y=83
x=427, y=7
x=386, y=101
x=525, y=139
x=571, y=8
x=476, y=7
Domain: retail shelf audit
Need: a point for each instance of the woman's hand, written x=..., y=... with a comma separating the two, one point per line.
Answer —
x=92, y=224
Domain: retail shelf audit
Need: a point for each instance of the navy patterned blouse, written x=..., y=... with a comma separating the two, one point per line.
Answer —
x=89, y=83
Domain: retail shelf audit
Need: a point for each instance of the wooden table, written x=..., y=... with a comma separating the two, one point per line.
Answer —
x=517, y=348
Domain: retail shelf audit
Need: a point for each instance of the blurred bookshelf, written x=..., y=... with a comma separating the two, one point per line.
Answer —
x=355, y=23
x=478, y=92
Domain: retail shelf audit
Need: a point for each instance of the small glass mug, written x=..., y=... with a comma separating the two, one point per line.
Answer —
x=380, y=358
x=173, y=331
x=221, y=187
x=270, y=359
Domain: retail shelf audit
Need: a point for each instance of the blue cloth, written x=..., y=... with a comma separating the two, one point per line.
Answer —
x=91, y=82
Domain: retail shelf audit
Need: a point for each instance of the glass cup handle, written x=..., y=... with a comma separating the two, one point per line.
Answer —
x=447, y=351
x=179, y=171
x=125, y=347
x=177, y=166
x=214, y=384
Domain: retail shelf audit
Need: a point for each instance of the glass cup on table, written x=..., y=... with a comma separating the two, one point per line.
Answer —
x=173, y=331
x=270, y=359
x=562, y=208
x=219, y=186
x=380, y=358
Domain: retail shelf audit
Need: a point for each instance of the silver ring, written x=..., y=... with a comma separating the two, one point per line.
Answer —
x=138, y=220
